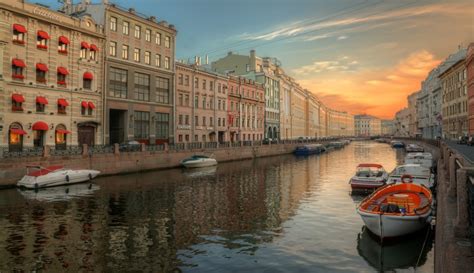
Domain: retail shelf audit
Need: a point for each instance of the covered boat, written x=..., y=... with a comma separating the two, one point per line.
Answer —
x=368, y=176
x=414, y=148
x=396, y=210
x=423, y=159
x=198, y=161
x=42, y=177
x=397, y=144
x=419, y=175
x=309, y=149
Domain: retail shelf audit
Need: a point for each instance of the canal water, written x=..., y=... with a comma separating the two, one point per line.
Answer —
x=277, y=214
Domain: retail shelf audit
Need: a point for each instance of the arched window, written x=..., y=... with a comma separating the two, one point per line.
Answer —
x=15, y=137
x=61, y=136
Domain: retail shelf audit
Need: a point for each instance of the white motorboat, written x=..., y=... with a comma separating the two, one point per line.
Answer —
x=198, y=161
x=419, y=175
x=423, y=159
x=414, y=148
x=396, y=210
x=368, y=176
x=51, y=176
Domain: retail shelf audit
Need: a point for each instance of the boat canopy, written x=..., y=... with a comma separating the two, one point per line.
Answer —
x=369, y=165
x=44, y=170
x=411, y=169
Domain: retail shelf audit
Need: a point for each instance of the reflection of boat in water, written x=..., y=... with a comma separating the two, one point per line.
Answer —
x=400, y=254
x=200, y=172
x=60, y=193
x=198, y=161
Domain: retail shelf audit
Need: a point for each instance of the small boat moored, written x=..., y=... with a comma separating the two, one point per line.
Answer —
x=418, y=175
x=309, y=149
x=423, y=159
x=414, y=148
x=368, y=176
x=396, y=210
x=52, y=176
x=198, y=161
x=397, y=144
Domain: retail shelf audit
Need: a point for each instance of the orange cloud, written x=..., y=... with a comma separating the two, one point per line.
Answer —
x=373, y=91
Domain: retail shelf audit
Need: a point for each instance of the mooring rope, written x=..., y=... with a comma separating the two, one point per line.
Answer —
x=422, y=248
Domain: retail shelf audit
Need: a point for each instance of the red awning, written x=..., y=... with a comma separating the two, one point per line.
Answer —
x=63, y=102
x=64, y=132
x=91, y=105
x=19, y=28
x=84, y=104
x=18, y=98
x=63, y=40
x=40, y=126
x=85, y=45
x=41, y=100
x=18, y=63
x=43, y=34
x=63, y=70
x=42, y=67
x=17, y=131
x=88, y=76
x=94, y=47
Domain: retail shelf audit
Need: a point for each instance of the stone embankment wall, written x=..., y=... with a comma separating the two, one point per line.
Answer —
x=116, y=162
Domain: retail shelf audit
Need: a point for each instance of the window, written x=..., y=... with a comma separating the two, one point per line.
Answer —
x=203, y=102
x=136, y=55
x=162, y=90
x=219, y=122
x=211, y=86
x=196, y=101
x=186, y=80
x=180, y=99
x=17, y=69
x=62, y=72
x=187, y=138
x=41, y=104
x=125, y=27
x=87, y=82
x=162, y=125
x=196, y=138
x=41, y=70
x=196, y=120
x=92, y=55
x=203, y=121
x=112, y=49
x=167, y=62
x=148, y=35
x=142, y=87
x=196, y=82
x=167, y=41
x=141, y=124
x=138, y=31
x=147, y=57
x=186, y=120
x=158, y=38
x=204, y=84
x=113, y=23
x=17, y=101
x=19, y=34
x=219, y=86
x=211, y=121
x=180, y=79
x=42, y=38
x=118, y=83
x=180, y=138
x=157, y=60
x=63, y=43
x=180, y=120
x=186, y=100
x=125, y=52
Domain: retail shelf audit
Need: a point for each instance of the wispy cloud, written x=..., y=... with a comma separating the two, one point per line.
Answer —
x=342, y=64
x=343, y=25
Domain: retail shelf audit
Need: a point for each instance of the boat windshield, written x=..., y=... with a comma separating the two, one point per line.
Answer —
x=369, y=172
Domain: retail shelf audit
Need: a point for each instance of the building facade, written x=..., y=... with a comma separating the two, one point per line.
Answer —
x=388, y=127
x=340, y=123
x=428, y=106
x=367, y=126
x=201, y=105
x=454, y=105
x=470, y=87
x=52, y=67
x=139, y=69
x=412, y=115
x=261, y=70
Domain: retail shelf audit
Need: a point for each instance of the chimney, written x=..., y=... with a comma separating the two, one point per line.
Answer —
x=131, y=10
x=199, y=61
x=229, y=53
x=207, y=59
x=253, y=60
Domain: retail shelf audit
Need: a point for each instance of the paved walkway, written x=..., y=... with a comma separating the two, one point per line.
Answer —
x=466, y=150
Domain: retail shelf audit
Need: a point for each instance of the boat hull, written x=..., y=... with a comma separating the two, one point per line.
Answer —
x=365, y=185
x=59, y=178
x=199, y=163
x=393, y=225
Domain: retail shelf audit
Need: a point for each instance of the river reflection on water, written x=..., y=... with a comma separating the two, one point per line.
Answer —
x=276, y=214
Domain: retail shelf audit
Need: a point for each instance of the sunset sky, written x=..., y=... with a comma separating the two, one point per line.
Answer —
x=363, y=56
